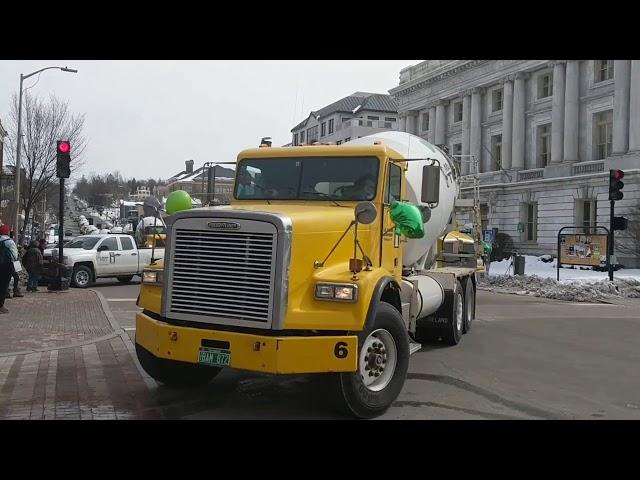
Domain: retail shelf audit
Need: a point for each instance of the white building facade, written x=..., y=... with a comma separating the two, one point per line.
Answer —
x=543, y=135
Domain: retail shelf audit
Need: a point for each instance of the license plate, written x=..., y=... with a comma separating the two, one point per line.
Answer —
x=214, y=357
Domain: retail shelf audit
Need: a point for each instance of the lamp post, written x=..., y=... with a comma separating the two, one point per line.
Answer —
x=16, y=226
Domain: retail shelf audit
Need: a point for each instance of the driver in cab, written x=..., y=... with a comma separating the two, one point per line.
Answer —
x=363, y=188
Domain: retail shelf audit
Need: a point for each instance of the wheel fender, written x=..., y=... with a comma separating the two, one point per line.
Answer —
x=383, y=285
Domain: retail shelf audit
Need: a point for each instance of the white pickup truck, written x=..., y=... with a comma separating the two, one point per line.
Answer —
x=103, y=256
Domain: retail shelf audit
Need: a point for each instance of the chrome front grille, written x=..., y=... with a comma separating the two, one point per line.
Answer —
x=223, y=276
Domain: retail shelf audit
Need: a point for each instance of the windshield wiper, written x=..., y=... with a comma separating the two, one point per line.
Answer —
x=328, y=197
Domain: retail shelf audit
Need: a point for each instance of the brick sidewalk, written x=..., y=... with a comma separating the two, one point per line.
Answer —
x=62, y=356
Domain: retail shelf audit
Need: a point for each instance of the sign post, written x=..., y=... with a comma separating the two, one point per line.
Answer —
x=583, y=248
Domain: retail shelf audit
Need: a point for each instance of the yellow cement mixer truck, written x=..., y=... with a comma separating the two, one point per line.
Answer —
x=306, y=272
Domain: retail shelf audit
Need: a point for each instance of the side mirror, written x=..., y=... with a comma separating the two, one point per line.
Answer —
x=430, y=184
x=365, y=212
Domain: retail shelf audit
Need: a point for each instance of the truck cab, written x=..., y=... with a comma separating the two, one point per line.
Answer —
x=307, y=272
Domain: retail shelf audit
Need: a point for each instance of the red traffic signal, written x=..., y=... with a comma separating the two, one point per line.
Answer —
x=64, y=146
x=616, y=184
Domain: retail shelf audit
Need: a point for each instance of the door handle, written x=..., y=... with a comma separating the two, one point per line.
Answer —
x=134, y=254
x=117, y=254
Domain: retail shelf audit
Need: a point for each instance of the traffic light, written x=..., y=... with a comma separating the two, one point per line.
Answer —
x=620, y=223
x=63, y=168
x=615, y=184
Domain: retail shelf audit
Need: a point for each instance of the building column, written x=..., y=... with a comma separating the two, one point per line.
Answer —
x=557, y=112
x=634, y=107
x=571, y=111
x=432, y=126
x=403, y=123
x=622, y=77
x=507, y=122
x=466, y=127
x=475, y=136
x=519, y=119
x=441, y=123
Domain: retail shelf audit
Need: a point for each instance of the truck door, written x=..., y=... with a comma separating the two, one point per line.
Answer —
x=108, y=256
x=128, y=262
x=391, y=248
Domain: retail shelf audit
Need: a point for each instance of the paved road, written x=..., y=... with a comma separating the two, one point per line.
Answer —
x=525, y=357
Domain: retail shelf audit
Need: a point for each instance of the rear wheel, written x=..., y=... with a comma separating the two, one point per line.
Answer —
x=469, y=304
x=383, y=361
x=173, y=373
x=453, y=332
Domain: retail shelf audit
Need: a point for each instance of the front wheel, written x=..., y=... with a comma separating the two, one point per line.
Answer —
x=82, y=276
x=383, y=361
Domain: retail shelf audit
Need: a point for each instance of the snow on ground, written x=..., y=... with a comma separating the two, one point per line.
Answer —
x=575, y=284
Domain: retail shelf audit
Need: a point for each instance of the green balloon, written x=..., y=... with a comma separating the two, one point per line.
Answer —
x=178, y=201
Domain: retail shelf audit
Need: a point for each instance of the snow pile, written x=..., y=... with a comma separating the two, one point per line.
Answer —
x=575, y=285
x=572, y=291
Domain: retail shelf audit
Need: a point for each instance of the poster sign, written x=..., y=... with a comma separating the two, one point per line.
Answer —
x=581, y=249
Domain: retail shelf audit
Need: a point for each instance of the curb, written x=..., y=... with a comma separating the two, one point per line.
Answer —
x=119, y=331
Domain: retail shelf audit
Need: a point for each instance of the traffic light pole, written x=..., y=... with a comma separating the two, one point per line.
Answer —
x=61, y=230
x=610, y=248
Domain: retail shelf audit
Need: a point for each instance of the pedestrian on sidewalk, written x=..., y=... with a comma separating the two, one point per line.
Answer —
x=8, y=255
x=17, y=278
x=33, y=262
x=42, y=245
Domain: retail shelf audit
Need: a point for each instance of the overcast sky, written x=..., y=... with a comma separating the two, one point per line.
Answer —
x=145, y=118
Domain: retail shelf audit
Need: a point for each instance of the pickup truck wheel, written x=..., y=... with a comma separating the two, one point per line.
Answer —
x=82, y=276
x=173, y=373
x=383, y=361
x=126, y=279
x=453, y=332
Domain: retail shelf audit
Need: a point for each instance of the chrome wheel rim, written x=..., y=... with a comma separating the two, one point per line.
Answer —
x=459, y=312
x=82, y=278
x=378, y=360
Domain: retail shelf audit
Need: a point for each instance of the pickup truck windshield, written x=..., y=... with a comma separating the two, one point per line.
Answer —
x=307, y=178
x=87, y=243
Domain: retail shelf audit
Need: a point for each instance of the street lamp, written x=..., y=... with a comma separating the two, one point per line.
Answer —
x=16, y=226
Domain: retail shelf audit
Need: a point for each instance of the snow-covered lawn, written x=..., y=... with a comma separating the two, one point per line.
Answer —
x=575, y=284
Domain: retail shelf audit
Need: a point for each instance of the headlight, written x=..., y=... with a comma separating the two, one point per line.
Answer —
x=338, y=292
x=152, y=276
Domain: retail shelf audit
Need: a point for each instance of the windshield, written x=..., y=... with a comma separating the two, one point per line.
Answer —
x=87, y=243
x=308, y=178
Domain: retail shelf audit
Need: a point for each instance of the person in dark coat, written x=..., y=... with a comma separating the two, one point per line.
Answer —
x=42, y=245
x=33, y=263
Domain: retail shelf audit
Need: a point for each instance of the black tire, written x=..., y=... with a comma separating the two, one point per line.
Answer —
x=173, y=373
x=354, y=398
x=469, y=305
x=125, y=279
x=80, y=273
x=452, y=333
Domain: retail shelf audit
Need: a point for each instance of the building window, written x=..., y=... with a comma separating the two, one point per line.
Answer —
x=603, y=70
x=295, y=139
x=323, y=129
x=347, y=139
x=603, y=133
x=544, y=145
x=586, y=215
x=545, y=85
x=457, y=112
x=425, y=121
x=456, y=149
x=339, y=142
x=302, y=137
x=496, y=151
x=312, y=134
x=388, y=125
x=389, y=119
x=372, y=117
x=531, y=222
x=496, y=100
x=330, y=126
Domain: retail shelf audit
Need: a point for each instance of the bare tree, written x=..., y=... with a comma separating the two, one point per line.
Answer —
x=43, y=123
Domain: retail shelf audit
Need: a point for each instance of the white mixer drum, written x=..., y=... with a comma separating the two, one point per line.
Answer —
x=409, y=147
